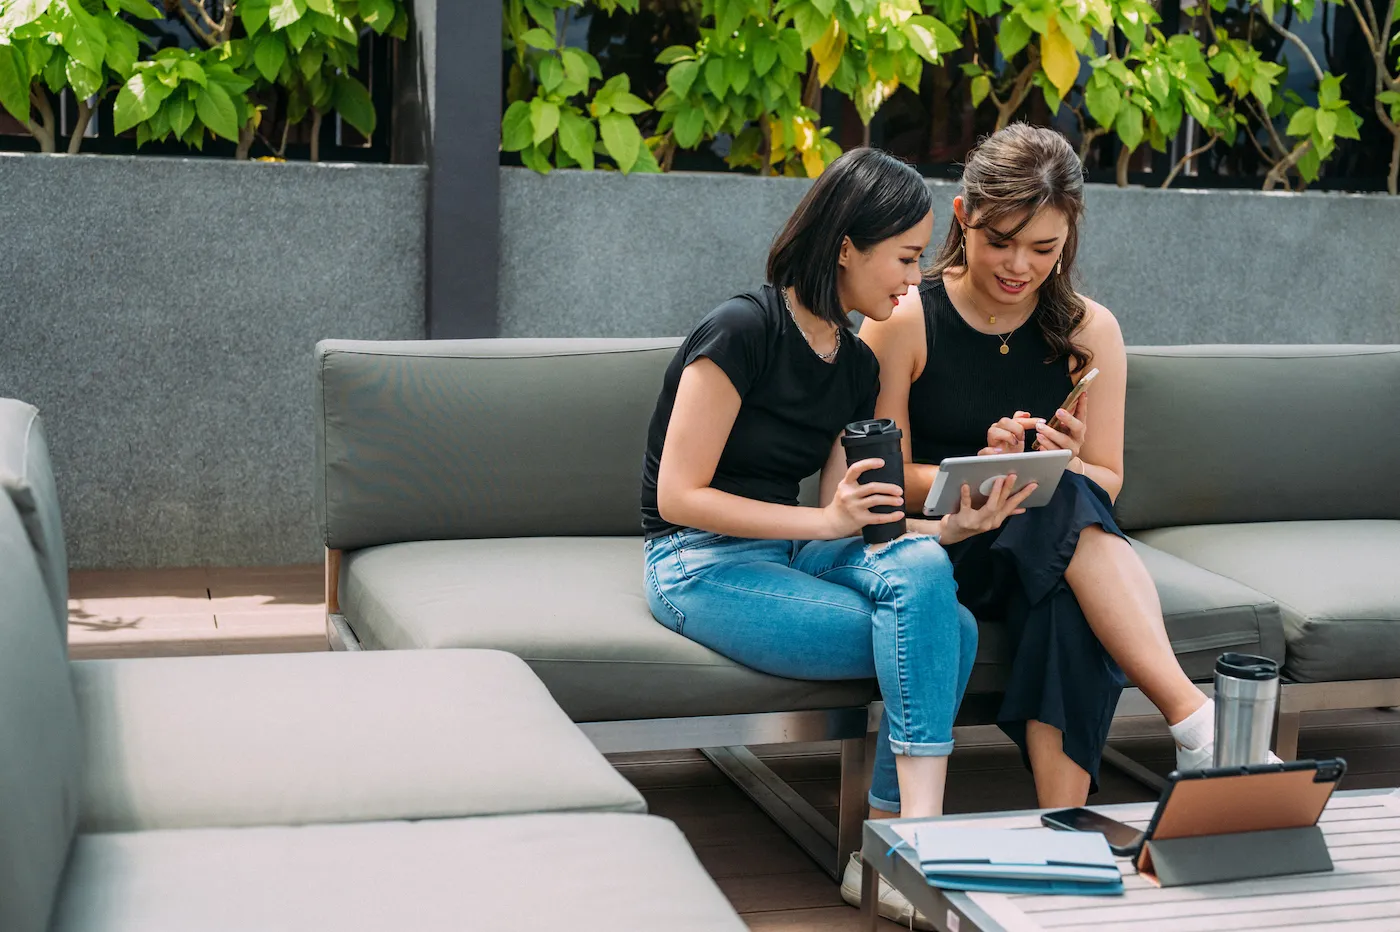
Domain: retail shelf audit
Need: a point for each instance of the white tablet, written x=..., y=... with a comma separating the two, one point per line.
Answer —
x=980, y=472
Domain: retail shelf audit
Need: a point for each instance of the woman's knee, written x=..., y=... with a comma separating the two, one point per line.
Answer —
x=919, y=556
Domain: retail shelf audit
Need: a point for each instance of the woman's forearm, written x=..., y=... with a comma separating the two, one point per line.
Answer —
x=1107, y=479
x=918, y=479
x=724, y=513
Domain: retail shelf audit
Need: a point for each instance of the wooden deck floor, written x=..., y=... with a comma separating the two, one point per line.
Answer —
x=767, y=878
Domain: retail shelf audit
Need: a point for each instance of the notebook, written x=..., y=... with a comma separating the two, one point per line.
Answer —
x=994, y=860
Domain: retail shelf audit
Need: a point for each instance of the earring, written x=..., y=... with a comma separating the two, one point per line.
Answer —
x=1057, y=266
x=962, y=247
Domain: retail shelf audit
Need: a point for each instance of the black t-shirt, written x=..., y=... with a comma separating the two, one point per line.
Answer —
x=793, y=405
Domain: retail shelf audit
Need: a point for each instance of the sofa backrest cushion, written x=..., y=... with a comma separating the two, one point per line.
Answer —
x=445, y=439
x=39, y=738
x=1228, y=434
x=26, y=476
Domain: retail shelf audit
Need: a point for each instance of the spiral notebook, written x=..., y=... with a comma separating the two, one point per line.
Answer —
x=1035, y=860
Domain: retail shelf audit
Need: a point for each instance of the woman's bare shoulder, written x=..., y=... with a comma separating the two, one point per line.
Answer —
x=1099, y=324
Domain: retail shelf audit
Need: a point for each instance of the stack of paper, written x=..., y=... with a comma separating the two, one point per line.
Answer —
x=1036, y=860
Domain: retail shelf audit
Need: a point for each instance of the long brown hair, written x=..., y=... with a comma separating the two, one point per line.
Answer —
x=1024, y=168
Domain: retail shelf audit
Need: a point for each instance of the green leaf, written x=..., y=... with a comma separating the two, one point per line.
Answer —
x=1310, y=165
x=1302, y=122
x=791, y=52
x=87, y=43
x=623, y=102
x=674, y=53
x=1103, y=99
x=681, y=76
x=765, y=56
x=1129, y=125
x=1262, y=89
x=14, y=84
x=539, y=39
x=1038, y=20
x=551, y=72
x=544, y=119
x=254, y=14
x=731, y=16
x=1154, y=76
x=536, y=159
x=810, y=25
x=1348, y=123
x=283, y=13
x=180, y=112
x=689, y=126
x=141, y=9
x=1329, y=93
x=300, y=31
x=517, y=132
x=622, y=139
x=576, y=137
x=981, y=87
x=216, y=110
x=1327, y=124
x=1197, y=108
x=321, y=6
x=268, y=57
x=353, y=104
x=716, y=78
x=738, y=72
x=137, y=101
x=21, y=13
x=1013, y=35
x=84, y=81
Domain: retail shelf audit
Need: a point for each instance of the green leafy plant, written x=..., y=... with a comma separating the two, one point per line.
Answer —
x=49, y=45
x=555, y=118
x=185, y=94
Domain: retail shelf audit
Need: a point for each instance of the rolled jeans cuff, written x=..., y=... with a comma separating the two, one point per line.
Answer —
x=884, y=805
x=935, y=749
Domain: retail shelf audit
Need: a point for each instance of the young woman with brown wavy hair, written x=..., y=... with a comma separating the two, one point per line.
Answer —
x=976, y=360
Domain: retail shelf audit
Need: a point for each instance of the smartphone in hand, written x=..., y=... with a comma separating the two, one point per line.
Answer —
x=1122, y=839
x=1071, y=400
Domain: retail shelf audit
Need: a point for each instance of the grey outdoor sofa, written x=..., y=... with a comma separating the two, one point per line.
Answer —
x=486, y=494
x=426, y=790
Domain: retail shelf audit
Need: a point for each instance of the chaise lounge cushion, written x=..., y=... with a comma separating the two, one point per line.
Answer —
x=197, y=742
x=26, y=475
x=1336, y=582
x=577, y=872
x=40, y=748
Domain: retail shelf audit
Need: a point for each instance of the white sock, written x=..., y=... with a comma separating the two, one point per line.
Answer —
x=1197, y=729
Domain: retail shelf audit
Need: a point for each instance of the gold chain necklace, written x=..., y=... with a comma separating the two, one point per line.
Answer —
x=824, y=357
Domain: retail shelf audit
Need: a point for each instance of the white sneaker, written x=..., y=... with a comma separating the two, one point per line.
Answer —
x=1203, y=757
x=893, y=905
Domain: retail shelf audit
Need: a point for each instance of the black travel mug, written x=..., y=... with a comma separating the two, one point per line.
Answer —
x=877, y=439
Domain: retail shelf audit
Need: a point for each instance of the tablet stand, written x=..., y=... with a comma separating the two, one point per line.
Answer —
x=1175, y=862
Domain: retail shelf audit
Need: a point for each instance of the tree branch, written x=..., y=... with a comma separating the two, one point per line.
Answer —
x=1367, y=32
x=44, y=128
x=1181, y=163
x=1279, y=173
x=206, y=37
x=1263, y=117
x=1293, y=37
x=85, y=113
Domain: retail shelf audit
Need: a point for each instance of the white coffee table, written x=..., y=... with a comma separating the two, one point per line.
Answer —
x=1362, y=894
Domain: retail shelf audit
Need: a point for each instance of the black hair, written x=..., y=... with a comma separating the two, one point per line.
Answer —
x=866, y=194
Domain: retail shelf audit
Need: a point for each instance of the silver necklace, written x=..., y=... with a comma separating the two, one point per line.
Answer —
x=824, y=357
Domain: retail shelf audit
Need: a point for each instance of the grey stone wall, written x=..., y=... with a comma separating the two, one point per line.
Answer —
x=604, y=255
x=162, y=314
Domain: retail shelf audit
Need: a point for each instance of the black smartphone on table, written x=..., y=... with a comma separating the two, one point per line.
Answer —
x=1123, y=840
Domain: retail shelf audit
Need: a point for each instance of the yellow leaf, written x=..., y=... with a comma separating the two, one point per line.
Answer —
x=812, y=161
x=827, y=51
x=805, y=135
x=1059, y=59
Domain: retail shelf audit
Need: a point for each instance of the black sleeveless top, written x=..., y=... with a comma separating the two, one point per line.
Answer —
x=967, y=384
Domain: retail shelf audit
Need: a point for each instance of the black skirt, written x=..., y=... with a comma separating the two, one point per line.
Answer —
x=1060, y=674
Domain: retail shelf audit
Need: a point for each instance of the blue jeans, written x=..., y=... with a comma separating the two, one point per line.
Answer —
x=829, y=610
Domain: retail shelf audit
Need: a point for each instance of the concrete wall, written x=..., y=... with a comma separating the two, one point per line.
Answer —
x=162, y=313
x=603, y=255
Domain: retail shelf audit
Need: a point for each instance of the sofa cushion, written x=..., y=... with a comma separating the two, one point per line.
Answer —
x=27, y=476
x=1336, y=583
x=40, y=759
x=1220, y=434
x=582, y=872
x=427, y=440
x=194, y=742
x=573, y=609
